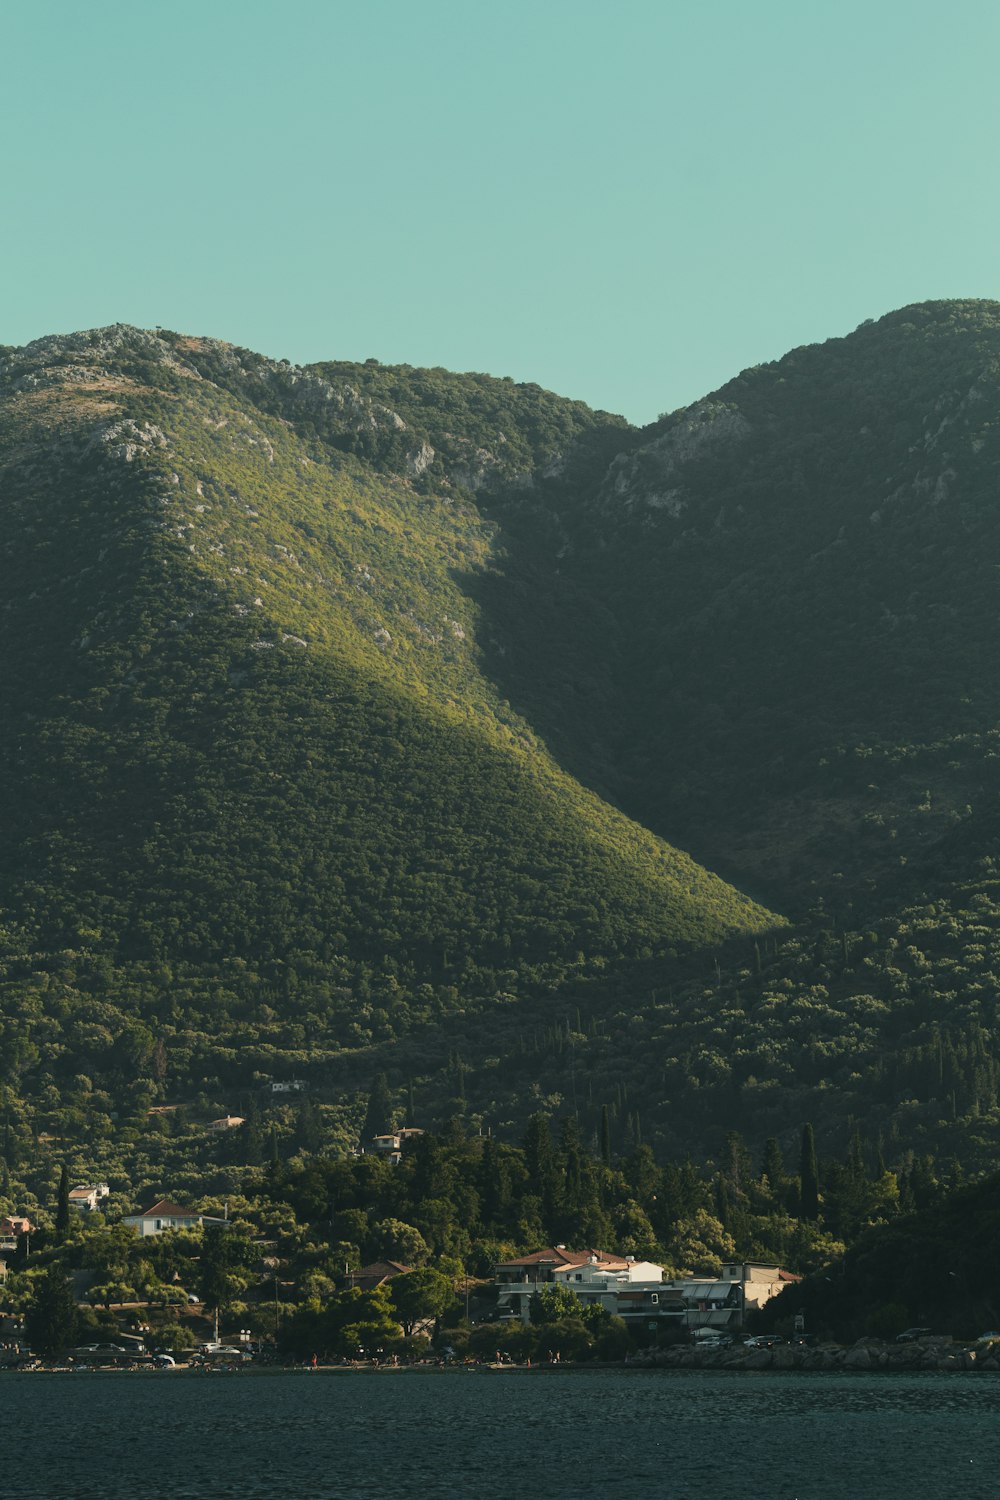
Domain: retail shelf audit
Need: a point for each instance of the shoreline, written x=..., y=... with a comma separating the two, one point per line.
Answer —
x=867, y=1356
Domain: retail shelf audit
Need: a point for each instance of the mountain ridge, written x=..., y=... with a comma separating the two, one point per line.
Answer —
x=444, y=695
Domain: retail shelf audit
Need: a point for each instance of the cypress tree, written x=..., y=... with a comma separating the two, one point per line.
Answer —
x=605, y=1136
x=538, y=1150
x=62, y=1207
x=379, y=1115
x=252, y=1136
x=808, y=1176
x=772, y=1167
x=50, y=1321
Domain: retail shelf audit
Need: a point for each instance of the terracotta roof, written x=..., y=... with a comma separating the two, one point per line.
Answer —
x=559, y=1256
x=788, y=1276
x=379, y=1271
x=164, y=1209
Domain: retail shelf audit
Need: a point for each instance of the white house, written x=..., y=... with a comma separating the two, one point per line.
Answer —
x=391, y=1145
x=88, y=1196
x=592, y=1275
x=635, y=1290
x=166, y=1215
x=227, y=1122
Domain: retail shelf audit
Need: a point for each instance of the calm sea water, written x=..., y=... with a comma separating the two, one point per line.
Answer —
x=617, y=1435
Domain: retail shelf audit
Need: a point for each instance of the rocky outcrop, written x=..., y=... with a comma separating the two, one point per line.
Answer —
x=651, y=478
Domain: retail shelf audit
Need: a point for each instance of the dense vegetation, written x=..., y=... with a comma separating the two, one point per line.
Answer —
x=327, y=687
x=457, y=1204
x=795, y=581
x=261, y=806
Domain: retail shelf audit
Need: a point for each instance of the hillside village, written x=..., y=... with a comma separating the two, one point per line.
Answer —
x=181, y=1277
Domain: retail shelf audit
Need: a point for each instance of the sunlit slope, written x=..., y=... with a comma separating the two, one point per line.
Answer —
x=247, y=717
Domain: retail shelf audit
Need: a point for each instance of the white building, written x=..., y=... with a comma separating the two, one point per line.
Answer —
x=722, y=1302
x=635, y=1290
x=166, y=1215
x=591, y=1275
x=88, y=1196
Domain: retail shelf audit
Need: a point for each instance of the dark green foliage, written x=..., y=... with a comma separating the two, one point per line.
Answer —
x=765, y=623
x=933, y=1269
x=262, y=806
x=808, y=1175
x=420, y=1297
x=50, y=1321
x=378, y=1116
x=62, y=1206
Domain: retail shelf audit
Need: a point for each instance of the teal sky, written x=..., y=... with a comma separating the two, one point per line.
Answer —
x=626, y=202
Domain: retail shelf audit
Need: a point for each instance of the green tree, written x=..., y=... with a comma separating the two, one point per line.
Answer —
x=394, y=1240
x=808, y=1176
x=62, y=1205
x=50, y=1321
x=550, y=1304
x=420, y=1296
x=221, y=1267
x=378, y=1117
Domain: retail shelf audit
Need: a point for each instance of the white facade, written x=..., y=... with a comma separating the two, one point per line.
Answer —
x=89, y=1196
x=594, y=1279
x=164, y=1215
x=635, y=1289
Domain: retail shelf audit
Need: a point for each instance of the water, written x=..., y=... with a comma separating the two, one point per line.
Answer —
x=601, y=1435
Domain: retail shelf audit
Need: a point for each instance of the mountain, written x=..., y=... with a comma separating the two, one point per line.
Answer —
x=801, y=571
x=261, y=803
x=357, y=714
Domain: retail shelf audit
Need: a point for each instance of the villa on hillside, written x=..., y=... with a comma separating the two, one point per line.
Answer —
x=13, y=1225
x=391, y=1144
x=592, y=1275
x=636, y=1291
x=87, y=1197
x=164, y=1214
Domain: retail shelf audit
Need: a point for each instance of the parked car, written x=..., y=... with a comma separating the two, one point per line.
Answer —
x=764, y=1341
x=913, y=1335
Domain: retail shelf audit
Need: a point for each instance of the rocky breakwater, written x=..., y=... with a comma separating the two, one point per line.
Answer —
x=940, y=1355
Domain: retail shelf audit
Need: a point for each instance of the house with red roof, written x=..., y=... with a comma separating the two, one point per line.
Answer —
x=13, y=1225
x=593, y=1275
x=635, y=1290
x=164, y=1214
x=377, y=1274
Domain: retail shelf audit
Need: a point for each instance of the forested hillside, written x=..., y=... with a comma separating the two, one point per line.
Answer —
x=801, y=571
x=350, y=708
x=261, y=805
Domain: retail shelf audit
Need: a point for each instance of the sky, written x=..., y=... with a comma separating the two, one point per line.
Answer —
x=626, y=202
